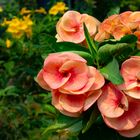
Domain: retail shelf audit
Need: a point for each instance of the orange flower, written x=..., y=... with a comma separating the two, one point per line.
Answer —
x=118, y=26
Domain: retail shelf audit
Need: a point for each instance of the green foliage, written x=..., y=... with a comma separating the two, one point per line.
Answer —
x=112, y=73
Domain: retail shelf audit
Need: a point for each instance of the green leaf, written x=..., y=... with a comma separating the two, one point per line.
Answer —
x=119, y=50
x=111, y=72
x=50, y=108
x=62, y=122
x=72, y=47
x=125, y=39
x=91, y=44
x=9, y=67
x=68, y=46
x=128, y=39
x=114, y=10
x=46, y=43
x=137, y=53
x=92, y=119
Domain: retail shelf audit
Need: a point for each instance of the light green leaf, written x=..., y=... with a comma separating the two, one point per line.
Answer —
x=111, y=72
x=118, y=50
x=62, y=122
x=91, y=44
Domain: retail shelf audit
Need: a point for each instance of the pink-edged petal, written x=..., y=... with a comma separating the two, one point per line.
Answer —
x=55, y=99
x=58, y=38
x=52, y=76
x=76, y=82
x=130, y=72
x=76, y=37
x=132, y=132
x=128, y=120
x=112, y=103
x=70, y=20
x=91, y=23
x=135, y=16
x=75, y=67
x=69, y=27
x=56, y=103
x=40, y=80
x=81, y=91
x=124, y=17
x=72, y=103
x=134, y=92
x=61, y=57
x=72, y=56
x=101, y=36
x=99, y=79
x=79, y=75
x=109, y=23
x=55, y=79
x=92, y=98
x=130, y=67
x=120, y=30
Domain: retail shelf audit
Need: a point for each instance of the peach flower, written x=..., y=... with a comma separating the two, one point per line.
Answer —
x=74, y=85
x=130, y=71
x=117, y=26
x=119, y=111
x=70, y=27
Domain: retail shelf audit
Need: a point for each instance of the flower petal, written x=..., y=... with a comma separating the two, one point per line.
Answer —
x=134, y=92
x=56, y=103
x=132, y=132
x=79, y=75
x=40, y=80
x=92, y=98
x=112, y=102
x=128, y=120
x=99, y=79
x=72, y=103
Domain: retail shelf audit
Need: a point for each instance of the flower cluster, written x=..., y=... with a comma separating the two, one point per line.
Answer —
x=119, y=25
x=18, y=27
x=75, y=86
x=59, y=7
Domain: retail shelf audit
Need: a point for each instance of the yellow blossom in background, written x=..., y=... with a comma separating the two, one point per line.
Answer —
x=5, y=22
x=25, y=11
x=8, y=43
x=29, y=24
x=59, y=7
x=41, y=10
x=1, y=9
x=18, y=27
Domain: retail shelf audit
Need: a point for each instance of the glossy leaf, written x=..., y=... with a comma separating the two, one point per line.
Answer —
x=108, y=51
x=62, y=122
x=111, y=72
x=92, y=119
x=91, y=44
